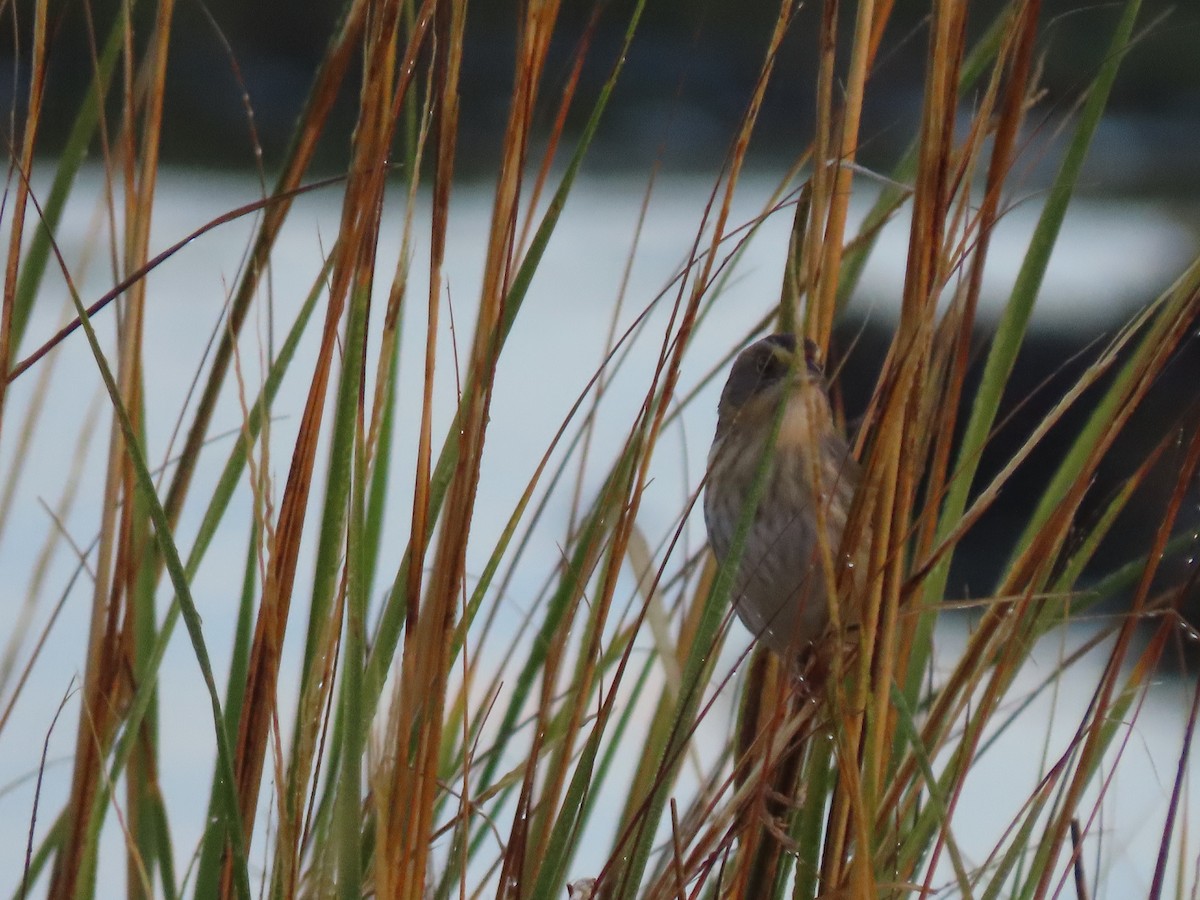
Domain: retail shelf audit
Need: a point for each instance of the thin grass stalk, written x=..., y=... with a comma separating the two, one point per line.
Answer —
x=329, y=76
x=580, y=56
x=349, y=801
x=536, y=29
x=823, y=155
x=373, y=137
x=1116, y=395
x=146, y=817
x=140, y=625
x=24, y=165
x=1010, y=331
x=824, y=277
x=443, y=81
x=931, y=201
x=394, y=813
x=1117, y=728
x=1052, y=790
x=126, y=283
x=1003, y=657
x=83, y=128
x=41, y=570
x=794, y=276
x=379, y=440
x=919, y=630
x=1178, y=790
x=808, y=825
x=353, y=258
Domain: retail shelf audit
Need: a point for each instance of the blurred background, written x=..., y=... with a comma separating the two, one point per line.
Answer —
x=686, y=82
x=239, y=73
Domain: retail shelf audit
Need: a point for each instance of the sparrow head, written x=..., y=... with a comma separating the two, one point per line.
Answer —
x=765, y=374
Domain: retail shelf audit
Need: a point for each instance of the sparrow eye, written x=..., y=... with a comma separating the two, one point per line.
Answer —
x=771, y=368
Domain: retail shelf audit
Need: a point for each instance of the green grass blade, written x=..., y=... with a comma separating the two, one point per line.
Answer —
x=212, y=847
x=350, y=441
x=187, y=607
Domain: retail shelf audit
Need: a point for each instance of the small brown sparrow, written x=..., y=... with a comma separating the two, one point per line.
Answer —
x=779, y=589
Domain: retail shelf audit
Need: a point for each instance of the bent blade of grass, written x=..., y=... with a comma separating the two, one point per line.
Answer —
x=1173, y=313
x=180, y=583
x=22, y=161
x=381, y=451
x=148, y=836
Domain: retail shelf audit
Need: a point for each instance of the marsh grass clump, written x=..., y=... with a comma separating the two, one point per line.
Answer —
x=379, y=725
